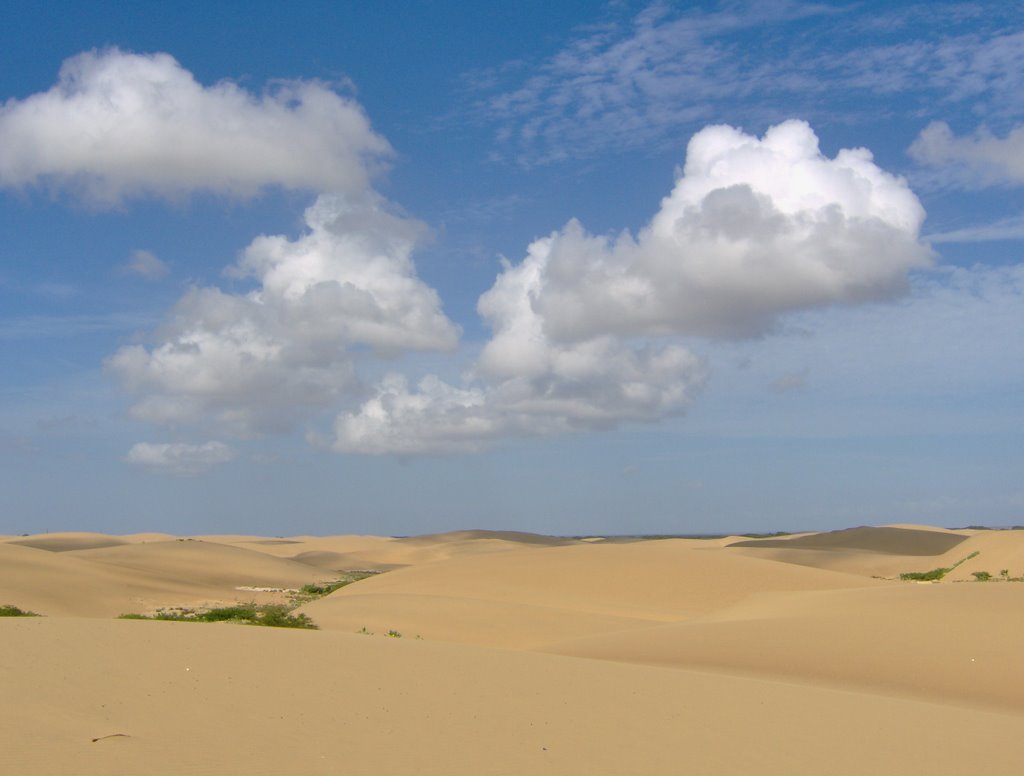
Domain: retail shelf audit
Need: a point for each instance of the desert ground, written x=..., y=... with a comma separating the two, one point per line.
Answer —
x=481, y=652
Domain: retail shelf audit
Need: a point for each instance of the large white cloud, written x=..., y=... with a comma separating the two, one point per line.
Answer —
x=753, y=228
x=259, y=361
x=119, y=125
x=977, y=160
x=585, y=327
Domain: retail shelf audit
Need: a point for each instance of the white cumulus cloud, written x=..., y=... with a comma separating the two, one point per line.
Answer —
x=179, y=458
x=589, y=387
x=586, y=328
x=755, y=227
x=119, y=125
x=259, y=361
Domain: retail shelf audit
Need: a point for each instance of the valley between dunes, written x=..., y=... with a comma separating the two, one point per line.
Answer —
x=518, y=654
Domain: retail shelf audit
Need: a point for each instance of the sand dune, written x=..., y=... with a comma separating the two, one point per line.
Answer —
x=58, y=584
x=343, y=553
x=519, y=654
x=534, y=597
x=940, y=642
x=506, y=624
x=997, y=550
x=885, y=551
x=172, y=698
x=64, y=542
x=207, y=563
x=123, y=578
x=889, y=540
x=661, y=580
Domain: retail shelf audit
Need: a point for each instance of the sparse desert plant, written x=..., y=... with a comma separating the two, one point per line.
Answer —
x=1004, y=573
x=393, y=634
x=364, y=632
x=271, y=615
x=9, y=610
x=981, y=576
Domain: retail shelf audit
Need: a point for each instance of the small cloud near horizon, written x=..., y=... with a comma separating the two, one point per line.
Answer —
x=178, y=458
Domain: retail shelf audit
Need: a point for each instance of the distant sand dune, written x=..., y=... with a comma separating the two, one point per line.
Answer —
x=65, y=542
x=893, y=541
x=206, y=563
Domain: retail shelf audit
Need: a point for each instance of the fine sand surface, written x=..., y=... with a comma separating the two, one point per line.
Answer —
x=518, y=654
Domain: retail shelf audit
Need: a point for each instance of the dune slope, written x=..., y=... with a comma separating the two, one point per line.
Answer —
x=99, y=697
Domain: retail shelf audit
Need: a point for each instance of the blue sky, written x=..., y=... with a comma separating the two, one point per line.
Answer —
x=622, y=267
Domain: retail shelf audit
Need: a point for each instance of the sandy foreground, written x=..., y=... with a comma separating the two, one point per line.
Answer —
x=518, y=654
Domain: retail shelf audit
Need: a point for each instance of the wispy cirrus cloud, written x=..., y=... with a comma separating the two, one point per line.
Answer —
x=1004, y=229
x=31, y=327
x=634, y=82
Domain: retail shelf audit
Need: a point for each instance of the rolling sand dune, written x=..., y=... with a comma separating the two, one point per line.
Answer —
x=64, y=542
x=887, y=551
x=342, y=553
x=941, y=642
x=889, y=540
x=664, y=580
x=99, y=697
x=997, y=550
x=207, y=563
x=57, y=584
x=139, y=577
x=492, y=623
x=519, y=654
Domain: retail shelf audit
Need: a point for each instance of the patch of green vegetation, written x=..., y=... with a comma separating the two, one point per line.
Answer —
x=981, y=576
x=271, y=615
x=935, y=574
x=308, y=593
x=924, y=576
x=393, y=634
x=9, y=610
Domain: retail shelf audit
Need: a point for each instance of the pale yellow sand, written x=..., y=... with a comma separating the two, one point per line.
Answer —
x=173, y=698
x=536, y=655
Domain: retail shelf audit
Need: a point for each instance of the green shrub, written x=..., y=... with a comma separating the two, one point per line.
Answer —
x=9, y=610
x=271, y=615
x=310, y=592
x=281, y=617
x=981, y=576
x=925, y=576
